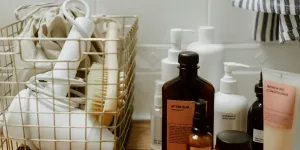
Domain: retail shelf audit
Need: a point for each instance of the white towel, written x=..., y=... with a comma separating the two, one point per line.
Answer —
x=28, y=102
x=49, y=23
x=44, y=50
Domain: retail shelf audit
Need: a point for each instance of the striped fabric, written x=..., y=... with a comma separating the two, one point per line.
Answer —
x=275, y=20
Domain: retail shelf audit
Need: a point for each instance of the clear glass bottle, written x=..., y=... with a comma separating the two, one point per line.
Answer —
x=200, y=138
x=156, y=118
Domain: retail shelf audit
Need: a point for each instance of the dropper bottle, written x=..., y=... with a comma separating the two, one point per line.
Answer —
x=200, y=138
x=255, y=118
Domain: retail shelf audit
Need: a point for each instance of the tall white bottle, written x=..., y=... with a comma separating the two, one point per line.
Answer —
x=211, y=56
x=230, y=108
x=169, y=71
x=156, y=118
x=169, y=65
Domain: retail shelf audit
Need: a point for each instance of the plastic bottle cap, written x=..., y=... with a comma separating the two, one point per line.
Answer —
x=228, y=83
x=188, y=58
x=206, y=35
x=233, y=140
x=158, y=93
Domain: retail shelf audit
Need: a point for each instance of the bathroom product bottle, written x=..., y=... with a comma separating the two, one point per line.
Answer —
x=281, y=110
x=230, y=108
x=179, y=96
x=211, y=55
x=169, y=65
x=233, y=140
x=200, y=138
x=156, y=118
x=255, y=124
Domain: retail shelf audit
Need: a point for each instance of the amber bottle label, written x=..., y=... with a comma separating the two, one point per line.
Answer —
x=195, y=148
x=179, y=123
x=279, y=104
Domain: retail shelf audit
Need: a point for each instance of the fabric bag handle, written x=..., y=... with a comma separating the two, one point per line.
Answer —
x=39, y=5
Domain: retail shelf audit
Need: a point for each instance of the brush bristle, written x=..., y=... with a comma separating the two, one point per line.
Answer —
x=97, y=86
x=97, y=89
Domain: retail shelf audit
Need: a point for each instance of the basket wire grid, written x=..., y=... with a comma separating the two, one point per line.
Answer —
x=126, y=60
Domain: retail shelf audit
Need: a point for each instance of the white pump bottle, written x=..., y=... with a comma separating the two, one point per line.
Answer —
x=211, y=55
x=169, y=65
x=169, y=71
x=230, y=108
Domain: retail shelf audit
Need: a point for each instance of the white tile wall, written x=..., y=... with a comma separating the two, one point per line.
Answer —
x=158, y=16
x=233, y=27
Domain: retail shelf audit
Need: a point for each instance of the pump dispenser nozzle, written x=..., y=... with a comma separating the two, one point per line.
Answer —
x=177, y=36
x=169, y=65
x=228, y=82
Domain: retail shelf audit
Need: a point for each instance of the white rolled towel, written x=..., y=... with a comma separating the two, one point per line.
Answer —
x=28, y=103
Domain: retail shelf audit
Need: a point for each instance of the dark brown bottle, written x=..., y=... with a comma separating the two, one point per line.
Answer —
x=179, y=97
x=200, y=138
x=256, y=118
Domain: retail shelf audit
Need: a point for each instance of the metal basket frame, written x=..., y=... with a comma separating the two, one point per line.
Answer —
x=126, y=57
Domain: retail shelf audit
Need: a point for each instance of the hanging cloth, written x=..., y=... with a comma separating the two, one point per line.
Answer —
x=275, y=19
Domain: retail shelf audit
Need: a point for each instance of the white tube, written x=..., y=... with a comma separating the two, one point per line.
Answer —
x=281, y=110
x=83, y=27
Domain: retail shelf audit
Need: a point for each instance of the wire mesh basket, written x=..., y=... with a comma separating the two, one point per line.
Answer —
x=119, y=127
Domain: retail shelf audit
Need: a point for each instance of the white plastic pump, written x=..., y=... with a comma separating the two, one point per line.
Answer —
x=176, y=36
x=169, y=64
x=230, y=108
x=228, y=83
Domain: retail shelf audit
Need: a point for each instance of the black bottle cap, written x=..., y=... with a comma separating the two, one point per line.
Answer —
x=22, y=147
x=199, y=122
x=188, y=58
x=233, y=140
x=259, y=86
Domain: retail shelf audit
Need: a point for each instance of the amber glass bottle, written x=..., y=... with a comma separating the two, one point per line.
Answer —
x=179, y=97
x=200, y=139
